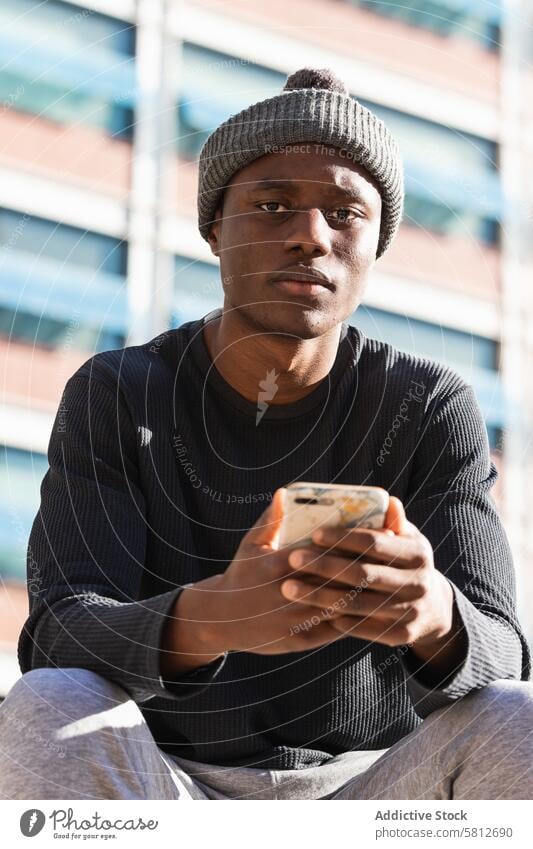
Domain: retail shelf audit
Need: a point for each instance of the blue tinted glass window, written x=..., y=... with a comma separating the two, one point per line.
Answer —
x=425, y=339
x=436, y=145
x=67, y=64
x=476, y=20
x=452, y=183
x=47, y=332
x=423, y=213
x=196, y=276
x=21, y=473
x=69, y=24
x=214, y=86
x=495, y=435
x=62, y=242
x=197, y=289
x=65, y=105
x=58, y=280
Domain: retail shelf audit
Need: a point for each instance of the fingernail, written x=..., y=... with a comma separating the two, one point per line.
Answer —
x=298, y=558
x=291, y=588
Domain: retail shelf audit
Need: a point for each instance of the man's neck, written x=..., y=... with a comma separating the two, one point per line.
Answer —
x=245, y=356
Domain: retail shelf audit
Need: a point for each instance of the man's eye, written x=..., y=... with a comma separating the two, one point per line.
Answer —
x=270, y=203
x=343, y=216
x=344, y=213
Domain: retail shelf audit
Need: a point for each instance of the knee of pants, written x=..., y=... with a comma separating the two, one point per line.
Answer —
x=506, y=700
x=56, y=688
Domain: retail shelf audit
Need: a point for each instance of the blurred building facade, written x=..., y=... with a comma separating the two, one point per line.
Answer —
x=104, y=107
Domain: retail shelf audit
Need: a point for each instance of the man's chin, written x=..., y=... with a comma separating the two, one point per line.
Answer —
x=297, y=319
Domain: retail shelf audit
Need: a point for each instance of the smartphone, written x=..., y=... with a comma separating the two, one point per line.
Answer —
x=308, y=506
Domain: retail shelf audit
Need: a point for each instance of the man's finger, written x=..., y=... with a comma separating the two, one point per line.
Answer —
x=378, y=607
x=343, y=572
x=372, y=545
x=369, y=628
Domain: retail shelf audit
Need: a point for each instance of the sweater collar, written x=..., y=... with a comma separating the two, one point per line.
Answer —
x=212, y=380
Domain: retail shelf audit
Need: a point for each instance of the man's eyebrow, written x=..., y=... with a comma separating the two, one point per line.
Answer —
x=347, y=192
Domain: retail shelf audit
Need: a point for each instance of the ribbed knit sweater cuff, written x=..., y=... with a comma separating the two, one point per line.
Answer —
x=192, y=683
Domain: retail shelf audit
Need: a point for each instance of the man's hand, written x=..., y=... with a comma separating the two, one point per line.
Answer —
x=243, y=609
x=386, y=587
x=373, y=584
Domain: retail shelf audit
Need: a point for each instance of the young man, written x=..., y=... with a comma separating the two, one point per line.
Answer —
x=172, y=650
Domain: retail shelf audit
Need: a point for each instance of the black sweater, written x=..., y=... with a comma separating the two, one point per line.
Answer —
x=157, y=470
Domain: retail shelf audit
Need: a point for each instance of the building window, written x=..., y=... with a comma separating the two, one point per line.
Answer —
x=62, y=242
x=452, y=184
x=59, y=279
x=423, y=338
x=50, y=333
x=68, y=64
x=475, y=20
x=21, y=473
x=197, y=289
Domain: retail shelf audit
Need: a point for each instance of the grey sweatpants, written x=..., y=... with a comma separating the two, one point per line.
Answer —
x=71, y=734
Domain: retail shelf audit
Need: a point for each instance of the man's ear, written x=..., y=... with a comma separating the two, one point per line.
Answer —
x=214, y=233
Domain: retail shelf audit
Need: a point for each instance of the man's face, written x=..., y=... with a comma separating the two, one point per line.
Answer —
x=307, y=208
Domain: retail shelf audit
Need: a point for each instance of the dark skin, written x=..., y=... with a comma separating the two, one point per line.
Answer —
x=260, y=231
x=324, y=213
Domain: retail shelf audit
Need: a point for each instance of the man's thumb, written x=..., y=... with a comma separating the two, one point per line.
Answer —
x=266, y=529
x=396, y=520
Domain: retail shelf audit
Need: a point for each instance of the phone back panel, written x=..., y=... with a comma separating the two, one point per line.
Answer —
x=310, y=506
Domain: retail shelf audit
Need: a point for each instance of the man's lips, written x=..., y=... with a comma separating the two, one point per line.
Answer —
x=302, y=279
x=301, y=287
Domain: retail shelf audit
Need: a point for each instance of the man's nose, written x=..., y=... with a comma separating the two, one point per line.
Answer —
x=309, y=231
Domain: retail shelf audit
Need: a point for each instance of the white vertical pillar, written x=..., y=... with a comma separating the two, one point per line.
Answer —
x=517, y=359
x=150, y=270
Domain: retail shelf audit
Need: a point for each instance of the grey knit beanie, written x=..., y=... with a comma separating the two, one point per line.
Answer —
x=314, y=106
